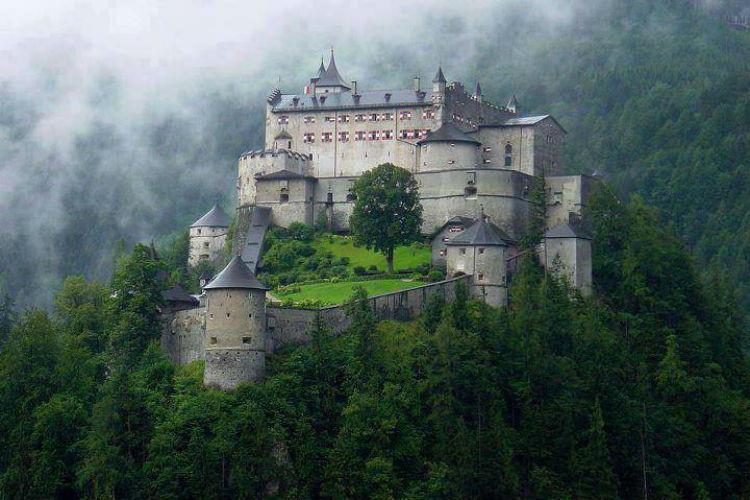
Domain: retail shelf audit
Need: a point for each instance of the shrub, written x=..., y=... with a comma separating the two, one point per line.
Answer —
x=436, y=275
x=423, y=268
x=360, y=270
x=301, y=232
x=373, y=267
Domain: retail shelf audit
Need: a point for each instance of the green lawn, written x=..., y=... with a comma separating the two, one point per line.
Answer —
x=338, y=293
x=404, y=257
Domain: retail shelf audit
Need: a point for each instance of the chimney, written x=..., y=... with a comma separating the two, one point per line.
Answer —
x=354, y=87
x=295, y=101
x=387, y=97
x=416, y=84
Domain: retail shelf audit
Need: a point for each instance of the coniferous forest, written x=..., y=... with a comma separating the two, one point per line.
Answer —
x=642, y=389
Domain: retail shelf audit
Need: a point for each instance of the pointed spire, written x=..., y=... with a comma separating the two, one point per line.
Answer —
x=322, y=68
x=478, y=91
x=439, y=77
x=331, y=77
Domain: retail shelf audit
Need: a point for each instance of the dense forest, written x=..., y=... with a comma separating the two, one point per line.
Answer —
x=642, y=389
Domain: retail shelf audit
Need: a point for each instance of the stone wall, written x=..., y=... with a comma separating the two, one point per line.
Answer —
x=465, y=108
x=289, y=326
x=182, y=336
x=206, y=243
x=566, y=194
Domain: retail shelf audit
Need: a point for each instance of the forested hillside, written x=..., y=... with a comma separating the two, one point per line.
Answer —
x=643, y=386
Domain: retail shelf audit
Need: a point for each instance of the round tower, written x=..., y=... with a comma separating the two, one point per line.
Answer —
x=235, y=339
x=448, y=148
x=481, y=252
x=208, y=235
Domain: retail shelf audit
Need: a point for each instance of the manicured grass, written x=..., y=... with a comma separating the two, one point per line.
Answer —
x=404, y=257
x=338, y=293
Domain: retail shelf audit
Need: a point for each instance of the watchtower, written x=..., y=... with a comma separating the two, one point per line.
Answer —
x=235, y=327
x=207, y=236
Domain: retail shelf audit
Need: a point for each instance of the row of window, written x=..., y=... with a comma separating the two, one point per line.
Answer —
x=366, y=135
x=370, y=117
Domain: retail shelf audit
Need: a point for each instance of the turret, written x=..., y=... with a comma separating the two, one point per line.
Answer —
x=566, y=252
x=478, y=93
x=235, y=327
x=208, y=235
x=331, y=81
x=439, y=82
x=448, y=148
x=481, y=252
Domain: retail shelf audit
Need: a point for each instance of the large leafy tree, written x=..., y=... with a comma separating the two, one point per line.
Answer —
x=387, y=212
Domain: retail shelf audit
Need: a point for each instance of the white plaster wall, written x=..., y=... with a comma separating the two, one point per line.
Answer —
x=206, y=243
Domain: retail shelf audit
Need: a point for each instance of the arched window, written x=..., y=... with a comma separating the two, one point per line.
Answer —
x=284, y=197
x=508, y=155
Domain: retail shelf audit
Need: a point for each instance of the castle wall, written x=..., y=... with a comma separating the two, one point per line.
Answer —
x=549, y=140
x=493, y=151
x=465, y=108
x=566, y=194
x=570, y=258
x=265, y=162
x=290, y=200
x=182, y=336
x=488, y=268
x=206, y=243
x=446, y=156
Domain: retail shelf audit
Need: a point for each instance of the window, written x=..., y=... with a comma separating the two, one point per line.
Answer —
x=213, y=341
x=359, y=135
x=245, y=340
x=374, y=117
x=205, y=244
x=508, y=149
x=508, y=155
x=451, y=162
x=486, y=160
x=471, y=177
x=428, y=113
x=372, y=135
x=386, y=135
x=402, y=134
x=359, y=118
x=199, y=231
x=284, y=198
x=283, y=120
x=309, y=119
x=343, y=136
x=330, y=119
x=470, y=192
x=463, y=251
x=329, y=198
x=405, y=115
x=350, y=197
x=386, y=117
x=487, y=149
x=508, y=161
x=308, y=138
x=343, y=118
x=326, y=137
x=421, y=134
x=480, y=276
x=557, y=198
x=481, y=251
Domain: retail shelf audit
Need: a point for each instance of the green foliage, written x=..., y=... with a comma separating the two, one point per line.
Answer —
x=387, y=212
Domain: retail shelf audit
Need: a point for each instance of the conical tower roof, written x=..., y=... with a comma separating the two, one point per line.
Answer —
x=331, y=76
x=236, y=275
x=439, y=77
x=481, y=233
x=448, y=132
x=216, y=217
x=321, y=68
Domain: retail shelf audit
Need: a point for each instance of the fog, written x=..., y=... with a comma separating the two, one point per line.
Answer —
x=121, y=121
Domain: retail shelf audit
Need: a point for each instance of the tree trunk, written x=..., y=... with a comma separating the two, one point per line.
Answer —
x=389, y=259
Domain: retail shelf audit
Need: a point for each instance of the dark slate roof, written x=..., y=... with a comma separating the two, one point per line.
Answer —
x=481, y=233
x=178, y=294
x=321, y=70
x=346, y=100
x=216, y=217
x=281, y=174
x=448, y=132
x=439, y=77
x=283, y=135
x=275, y=152
x=331, y=76
x=236, y=275
x=525, y=120
x=566, y=230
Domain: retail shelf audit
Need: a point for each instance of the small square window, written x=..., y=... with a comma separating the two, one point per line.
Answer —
x=480, y=276
x=213, y=341
x=481, y=251
x=245, y=340
x=463, y=251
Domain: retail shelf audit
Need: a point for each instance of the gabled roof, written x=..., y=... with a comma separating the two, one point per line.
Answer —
x=439, y=76
x=331, y=76
x=481, y=233
x=236, y=275
x=448, y=132
x=566, y=230
x=281, y=174
x=283, y=135
x=178, y=294
x=216, y=217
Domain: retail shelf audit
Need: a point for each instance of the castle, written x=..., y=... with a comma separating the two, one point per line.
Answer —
x=475, y=162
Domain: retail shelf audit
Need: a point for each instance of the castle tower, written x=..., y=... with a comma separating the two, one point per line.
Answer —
x=331, y=81
x=481, y=252
x=235, y=327
x=208, y=235
x=438, y=95
x=566, y=252
x=448, y=148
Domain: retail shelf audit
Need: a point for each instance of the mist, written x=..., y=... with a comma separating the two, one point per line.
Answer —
x=122, y=121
